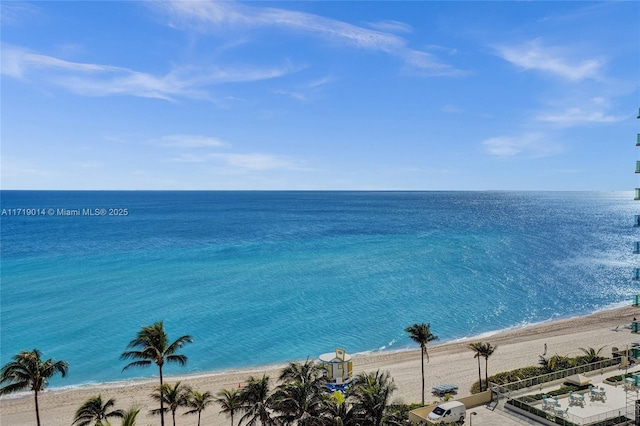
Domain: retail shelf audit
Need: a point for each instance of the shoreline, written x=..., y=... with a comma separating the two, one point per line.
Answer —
x=450, y=362
x=375, y=353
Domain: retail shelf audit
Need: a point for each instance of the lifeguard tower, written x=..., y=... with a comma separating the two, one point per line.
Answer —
x=338, y=369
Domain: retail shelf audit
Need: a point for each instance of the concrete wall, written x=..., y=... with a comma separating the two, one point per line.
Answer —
x=420, y=414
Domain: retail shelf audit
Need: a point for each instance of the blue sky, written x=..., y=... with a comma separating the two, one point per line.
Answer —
x=320, y=95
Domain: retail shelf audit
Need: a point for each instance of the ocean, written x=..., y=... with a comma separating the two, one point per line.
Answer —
x=269, y=277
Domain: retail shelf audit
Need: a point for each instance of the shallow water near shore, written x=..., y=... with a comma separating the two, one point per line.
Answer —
x=265, y=277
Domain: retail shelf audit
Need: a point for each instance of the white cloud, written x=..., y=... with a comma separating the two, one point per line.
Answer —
x=105, y=80
x=16, y=62
x=452, y=109
x=206, y=13
x=576, y=116
x=299, y=96
x=553, y=60
x=305, y=92
x=13, y=167
x=591, y=111
x=251, y=162
x=17, y=12
x=528, y=144
x=88, y=164
x=426, y=64
x=391, y=26
x=191, y=141
x=256, y=161
x=214, y=16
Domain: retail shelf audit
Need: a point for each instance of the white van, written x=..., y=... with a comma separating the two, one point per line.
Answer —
x=449, y=412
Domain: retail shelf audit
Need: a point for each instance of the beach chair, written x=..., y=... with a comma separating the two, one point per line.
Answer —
x=546, y=404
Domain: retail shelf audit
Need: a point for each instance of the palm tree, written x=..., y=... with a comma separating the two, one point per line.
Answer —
x=256, y=402
x=337, y=412
x=421, y=334
x=372, y=393
x=174, y=396
x=554, y=363
x=299, y=397
x=476, y=347
x=28, y=371
x=94, y=410
x=545, y=363
x=486, y=350
x=307, y=372
x=129, y=417
x=230, y=401
x=300, y=403
x=154, y=347
x=560, y=362
x=198, y=401
x=591, y=355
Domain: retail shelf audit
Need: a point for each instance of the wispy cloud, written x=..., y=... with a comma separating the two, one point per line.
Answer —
x=105, y=80
x=17, y=62
x=593, y=111
x=307, y=91
x=250, y=162
x=17, y=167
x=424, y=63
x=198, y=149
x=191, y=141
x=388, y=25
x=88, y=164
x=208, y=15
x=534, y=55
x=576, y=116
x=529, y=144
x=215, y=16
x=17, y=12
x=452, y=109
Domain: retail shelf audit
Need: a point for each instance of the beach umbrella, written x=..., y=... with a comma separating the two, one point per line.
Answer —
x=578, y=380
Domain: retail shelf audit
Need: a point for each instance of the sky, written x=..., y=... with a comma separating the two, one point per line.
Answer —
x=303, y=95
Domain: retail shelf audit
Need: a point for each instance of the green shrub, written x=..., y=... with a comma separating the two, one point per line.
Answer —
x=619, y=377
x=531, y=371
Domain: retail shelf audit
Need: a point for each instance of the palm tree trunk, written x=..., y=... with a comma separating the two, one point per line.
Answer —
x=486, y=373
x=173, y=416
x=422, y=376
x=161, y=398
x=37, y=409
x=199, y=418
x=232, y=418
x=479, y=374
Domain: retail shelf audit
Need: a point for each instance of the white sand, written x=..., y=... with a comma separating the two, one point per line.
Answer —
x=450, y=363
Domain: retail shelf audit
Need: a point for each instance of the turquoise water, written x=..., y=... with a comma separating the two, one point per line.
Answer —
x=267, y=277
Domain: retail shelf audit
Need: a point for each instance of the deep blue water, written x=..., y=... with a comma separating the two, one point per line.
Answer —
x=268, y=277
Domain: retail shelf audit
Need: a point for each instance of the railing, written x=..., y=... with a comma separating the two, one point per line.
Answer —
x=556, y=375
x=609, y=418
x=530, y=405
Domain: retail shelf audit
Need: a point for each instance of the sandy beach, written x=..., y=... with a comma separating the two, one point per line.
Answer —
x=449, y=363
